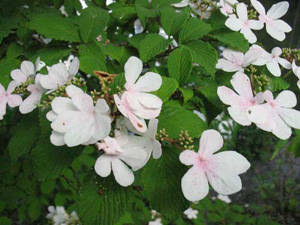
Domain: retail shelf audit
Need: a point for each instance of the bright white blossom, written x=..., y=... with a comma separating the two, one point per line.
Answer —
x=191, y=213
x=226, y=6
x=276, y=115
x=59, y=216
x=7, y=97
x=195, y=7
x=274, y=26
x=59, y=74
x=296, y=70
x=36, y=92
x=76, y=120
x=224, y=198
x=27, y=69
x=221, y=170
x=243, y=24
x=136, y=103
x=234, y=61
x=155, y=222
x=119, y=152
x=239, y=102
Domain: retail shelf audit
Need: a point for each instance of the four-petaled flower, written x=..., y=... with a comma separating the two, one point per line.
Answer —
x=226, y=6
x=221, y=170
x=275, y=27
x=136, y=103
x=191, y=213
x=243, y=24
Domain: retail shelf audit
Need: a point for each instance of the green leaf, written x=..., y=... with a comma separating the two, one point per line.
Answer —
x=204, y=54
x=188, y=93
x=25, y=135
x=6, y=66
x=278, y=84
x=279, y=145
x=91, y=22
x=176, y=119
x=168, y=87
x=48, y=160
x=5, y=220
x=217, y=20
x=152, y=45
x=145, y=10
x=235, y=40
x=51, y=55
x=55, y=26
x=172, y=21
x=14, y=50
x=118, y=82
x=34, y=209
x=47, y=187
x=180, y=64
x=121, y=12
x=119, y=53
x=193, y=29
x=165, y=193
x=91, y=58
x=135, y=40
x=102, y=203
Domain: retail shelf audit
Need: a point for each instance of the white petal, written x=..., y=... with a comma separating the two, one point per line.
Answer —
x=123, y=175
x=239, y=115
x=242, y=85
x=286, y=99
x=137, y=122
x=30, y=103
x=48, y=83
x=242, y=11
x=74, y=66
x=149, y=100
x=234, y=24
x=274, y=68
x=194, y=184
x=133, y=68
x=278, y=10
x=152, y=128
x=210, y=142
x=62, y=104
x=258, y=114
x=148, y=82
x=120, y=105
x=283, y=26
x=259, y=7
x=228, y=66
x=255, y=24
x=291, y=117
x=275, y=32
x=27, y=68
x=57, y=139
x=14, y=100
x=251, y=56
x=228, y=96
x=59, y=74
x=101, y=127
x=51, y=116
x=147, y=113
x=18, y=75
x=249, y=35
x=134, y=156
x=103, y=165
x=157, y=150
x=78, y=135
x=182, y=4
x=83, y=102
x=101, y=107
x=72, y=90
x=188, y=157
x=284, y=63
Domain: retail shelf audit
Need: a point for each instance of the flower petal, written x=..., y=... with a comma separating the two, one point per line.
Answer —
x=83, y=102
x=101, y=127
x=249, y=35
x=14, y=100
x=30, y=103
x=101, y=107
x=284, y=63
x=278, y=10
x=123, y=175
x=275, y=33
x=291, y=117
x=234, y=24
x=72, y=90
x=286, y=99
x=27, y=68
x=62, y=104
x=228, y=96
x=242, y=11
x=133, y=68
x=148, y=82
x=78, y=134
x=103, y=165
x=18, y=76
x=57, y=139
x=188, y=157
x=149, y=100
x=258, y=7
x=274, y=68
x=255, y=24
x=210, y=142
x=239, y=115
x=74, y=66
x=58, y=73
x=157, y=150
x=194, y=184
x=138, y=123
x=242, y=85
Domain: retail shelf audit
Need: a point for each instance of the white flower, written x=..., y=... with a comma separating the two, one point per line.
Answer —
x=235, y=61
x=182, y=4
x=195, y=6
x=243, y=24
x=154, y=214
x=239, y=103
x=135, y=103
x=221, y=170
x=6, y=97
x=275, y=27
x=191, y=213
x=76, y=120
x=276, y=115
x=155, y=222
x=119, y=151
x=36, y=92
x=27, y=69
x=59, y=74
x=224, y=198
x=296, y=71
x=226, y=6
x=58, y=215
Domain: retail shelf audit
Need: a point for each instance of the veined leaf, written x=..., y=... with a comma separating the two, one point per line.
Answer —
x=193, y=29
x=172, y=21
x=168, y=87
x=152, y=45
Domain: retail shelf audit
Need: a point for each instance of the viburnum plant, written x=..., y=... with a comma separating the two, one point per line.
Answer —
x=140, y=82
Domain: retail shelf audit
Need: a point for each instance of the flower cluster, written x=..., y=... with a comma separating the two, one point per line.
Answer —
x=58, y=216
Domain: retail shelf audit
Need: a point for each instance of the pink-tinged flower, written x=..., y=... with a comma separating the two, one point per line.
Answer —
x=221, y=170
x=36, y=92
x=191, y=213
x=239, y=102
x=226, y=6
x=234, y=61
x=59, y=75
x=275, y=27
x=156, y=222
x=243, y=24
x=296, y=70
x=6, y=97
x=136, y=103
x=119, y=152
x=76, y=120
x=27, y=69
x=276, y=115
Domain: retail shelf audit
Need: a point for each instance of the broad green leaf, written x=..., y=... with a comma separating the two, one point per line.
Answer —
x=135, y=41
x=217, y=20
x=168, y=87
x=6, y=66
x=145, y=10
x=14, y=50
x=204, y=54
x=278, y=84
x=103, y=202
x=172, y=21
x=118, y=83
x=91, y=22
x=48, y=187
x=152, y=45
x=91, y=58
x=180, y=64
x=121, y=12
x=55, y=26
x=165, y=193
x=5, y=220
x=51, y=55
x=119, y=53
x=176, y=119
x=34, y=209
x=193, y=29
x=48, y=160
x=187, y=93
x=25, y=134
x=235, y=40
